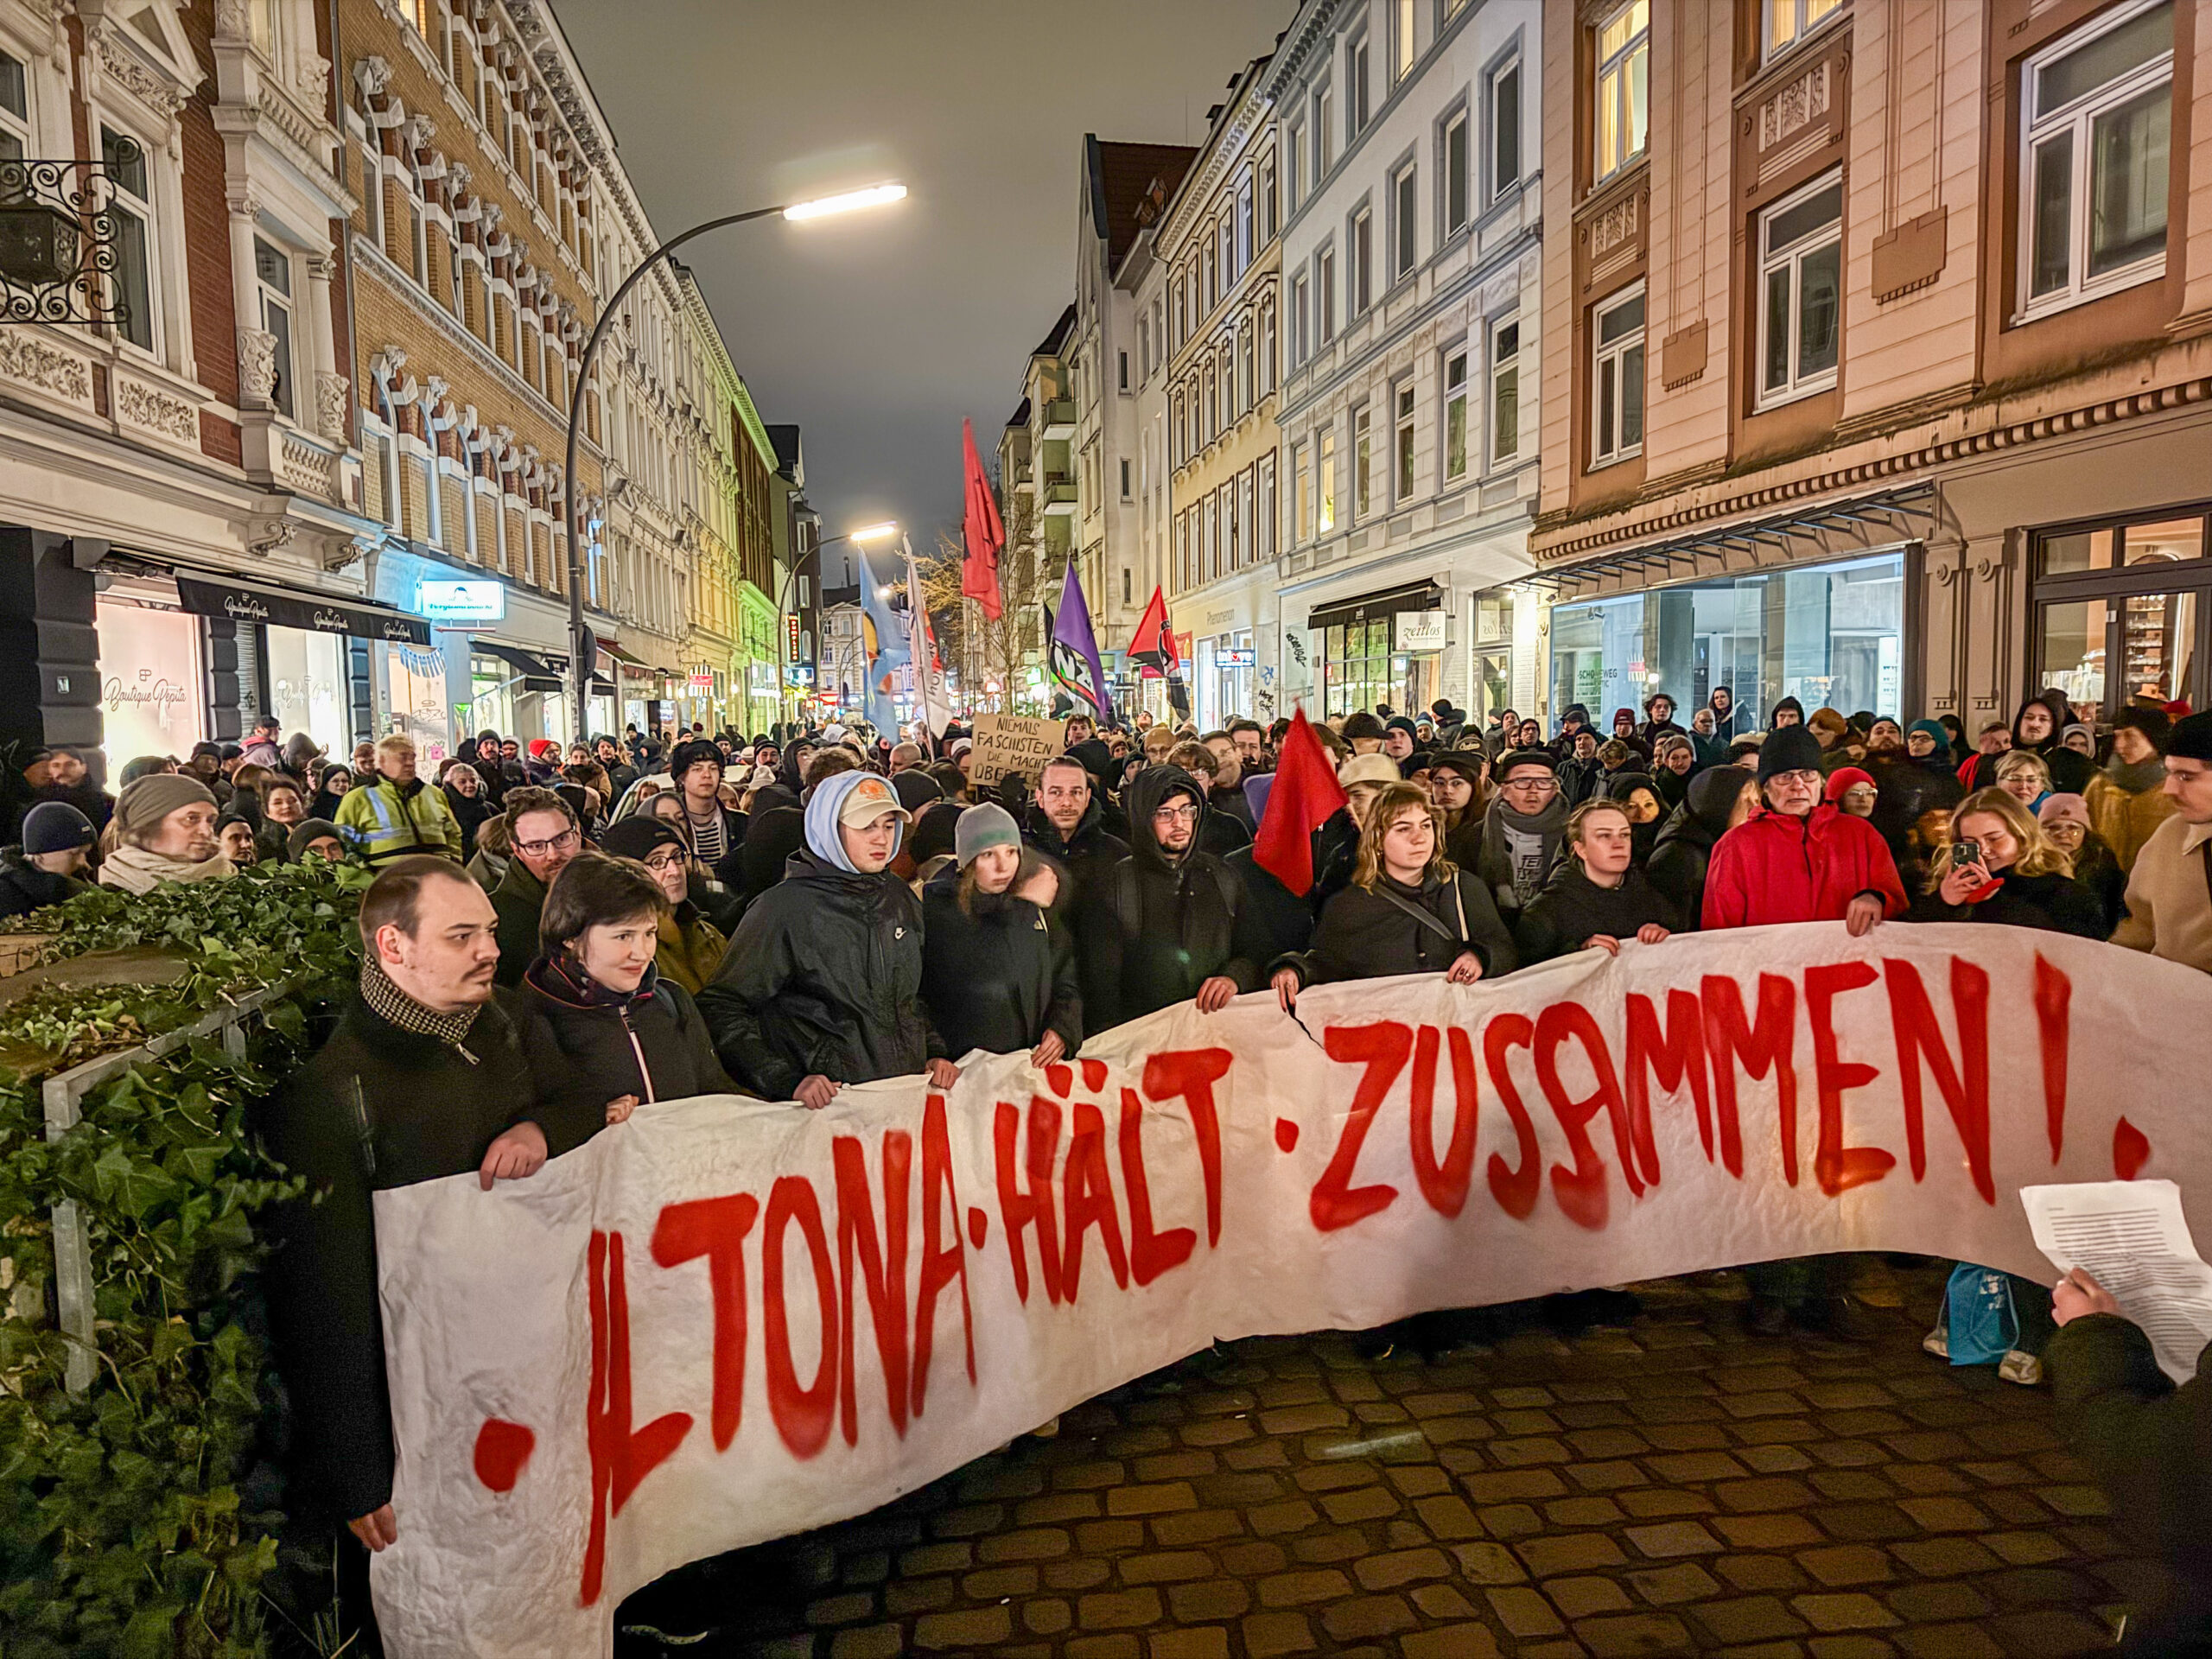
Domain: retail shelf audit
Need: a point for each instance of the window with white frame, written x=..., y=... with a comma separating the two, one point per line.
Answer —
x=1504, y=103
x=272, y=281
x=1301, y=496
x=1247, y=226
x=1325, y=138
x=1801, y=289
x=1266, y=383
x=1362, y=272
x=1267, y=232
x=1452, y=168
x=131, y=210
x=1324, y=295
x=1362, y=462
x=1225, y=234
x=2097, y=123
x=1301, y=310
x=1403, y=397
x=1126, y=494
x=1324, y=466
x=15, y=109
x=1294, y=160
x=1355, y=105
x=1504, y=390
x=1788, y=21
x=1404, y=200
x=1617, y=379
x=1263, y=521
x=1623, y=106
x=1401, y=39
x=1455, y=414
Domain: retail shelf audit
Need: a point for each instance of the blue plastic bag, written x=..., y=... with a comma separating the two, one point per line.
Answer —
x=1984, y=1326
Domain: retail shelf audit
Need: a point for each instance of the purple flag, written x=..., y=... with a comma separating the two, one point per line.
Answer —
x=1076, y=667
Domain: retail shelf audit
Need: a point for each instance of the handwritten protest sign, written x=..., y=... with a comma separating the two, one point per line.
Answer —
x=1016, y=743
x=726, y=1320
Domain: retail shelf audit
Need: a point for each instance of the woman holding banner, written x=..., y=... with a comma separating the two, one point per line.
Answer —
x=996, y=974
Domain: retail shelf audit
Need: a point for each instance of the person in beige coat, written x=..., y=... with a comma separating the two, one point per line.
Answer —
x=2169, y=889
x=2127, y=799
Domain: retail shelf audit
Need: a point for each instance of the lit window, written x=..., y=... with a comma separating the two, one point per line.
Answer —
x=1327, y=492
x=1617, y=380
x=1801, y=282
x=1504, y=127
x=1404, y=396
x=1363, y=463
x=1624, y=102
x=1455, y=415
x=272, y=277
x=1401, y=39
x=132, y=213
x=1455, y=173
x=2098, y=111
x=1505, y=390
x=1788, y=21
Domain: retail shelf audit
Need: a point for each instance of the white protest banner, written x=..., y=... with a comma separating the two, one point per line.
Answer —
x=1019, y=743
x=728, y=1320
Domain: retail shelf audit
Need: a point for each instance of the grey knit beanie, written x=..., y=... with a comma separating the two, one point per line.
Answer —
x=980, y=827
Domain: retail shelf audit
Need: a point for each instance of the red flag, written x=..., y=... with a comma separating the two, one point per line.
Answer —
x=1306, y=794
x=1151, y=647
x=980, y=529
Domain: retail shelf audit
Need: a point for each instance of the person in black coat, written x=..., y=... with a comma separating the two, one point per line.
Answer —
x=49, y=865
x=996, y=974
x=1714, y=804
x=468, y=800
x=1597, y=896
x=424, y=1078
x=1909, y=786
x=1160, y=927
x=822, y=984
x=1065, y=822
x=1581, y=772
x=603, y=1031
x=1408, y=909
x=2015, y=877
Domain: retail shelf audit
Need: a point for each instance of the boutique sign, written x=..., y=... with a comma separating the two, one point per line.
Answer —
x=462, y=601
x=252, y=605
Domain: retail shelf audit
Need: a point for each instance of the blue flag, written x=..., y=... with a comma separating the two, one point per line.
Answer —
x=883, y=634
x=1076, y=667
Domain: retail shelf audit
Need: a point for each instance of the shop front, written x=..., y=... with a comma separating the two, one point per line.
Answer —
x=1379, y=649
x=153, y=678
x=2121, y=609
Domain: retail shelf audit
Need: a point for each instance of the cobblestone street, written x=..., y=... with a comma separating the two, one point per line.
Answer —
x=1668, y=1485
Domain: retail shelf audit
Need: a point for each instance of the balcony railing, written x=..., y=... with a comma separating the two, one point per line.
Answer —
x=1059, y=490
x=1057, y=412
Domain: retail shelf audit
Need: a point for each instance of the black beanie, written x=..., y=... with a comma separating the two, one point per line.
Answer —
x=2190, y=738
x=1789, y=748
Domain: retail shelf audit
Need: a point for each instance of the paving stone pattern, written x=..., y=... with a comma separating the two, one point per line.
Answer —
x=1670, y=1485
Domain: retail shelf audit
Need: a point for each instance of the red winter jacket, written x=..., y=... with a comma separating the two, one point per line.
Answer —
x=1773, y=868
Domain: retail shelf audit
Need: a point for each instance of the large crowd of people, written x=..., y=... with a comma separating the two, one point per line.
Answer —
x=556, y=935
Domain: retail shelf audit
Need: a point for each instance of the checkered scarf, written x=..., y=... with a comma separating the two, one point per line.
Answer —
x=387, y=1002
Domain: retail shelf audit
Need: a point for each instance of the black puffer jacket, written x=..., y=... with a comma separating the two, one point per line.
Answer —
x=1685, y=843
x=824, y=976
x=2055, y=903
x=24, y=888
x=1154, y=929
x=1083, y=856
x=587, y=1046
x=997, y=979
x=1372, y=935
x=1906, y=790
x=1572, y=908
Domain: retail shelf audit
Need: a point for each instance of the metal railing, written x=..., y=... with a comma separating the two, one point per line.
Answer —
x=63, y=1094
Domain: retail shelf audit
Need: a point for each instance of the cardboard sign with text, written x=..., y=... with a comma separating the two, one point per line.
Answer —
x=727, y=1319
x=1015, y=743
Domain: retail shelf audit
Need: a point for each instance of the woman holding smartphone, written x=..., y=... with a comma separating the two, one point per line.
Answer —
x=2001, y=867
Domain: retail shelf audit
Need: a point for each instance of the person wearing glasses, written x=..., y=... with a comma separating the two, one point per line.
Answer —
x=1161, y=926
x=1523, y=832
x=542, y=838
x=691, y=947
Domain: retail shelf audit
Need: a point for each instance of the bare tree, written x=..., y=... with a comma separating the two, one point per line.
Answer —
x=984, y=649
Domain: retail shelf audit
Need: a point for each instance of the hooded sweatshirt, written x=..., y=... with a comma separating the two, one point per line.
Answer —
x=1518, y=851
x=823, y=975
x=1158, y=925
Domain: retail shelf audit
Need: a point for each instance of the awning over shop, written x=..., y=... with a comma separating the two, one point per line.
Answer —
x=1832, y=528
x=249, y=602
x=1409, y=596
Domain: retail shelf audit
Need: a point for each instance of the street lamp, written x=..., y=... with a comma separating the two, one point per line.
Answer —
x=582, y=651
x=860, y=538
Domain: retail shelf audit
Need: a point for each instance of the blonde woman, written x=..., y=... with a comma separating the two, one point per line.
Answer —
x=1409, y=909
x=2025, y=776
x=2001, y=867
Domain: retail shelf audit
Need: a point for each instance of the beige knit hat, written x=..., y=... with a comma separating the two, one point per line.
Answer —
x=143, y=805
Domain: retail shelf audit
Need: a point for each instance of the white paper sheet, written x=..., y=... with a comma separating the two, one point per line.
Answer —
x=2132, y=1237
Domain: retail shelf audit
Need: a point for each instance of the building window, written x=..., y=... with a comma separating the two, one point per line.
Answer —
x=132, y=210
x=1617, y=379
x=1363, y=463
x=1788, y=21
x=2095, y=155
x=1293, y=164
x=1455, y=415
x=1623, y=106
x=1505, y=391
x=1355, y=105
x=1299, y=336
x=1403, y=397
x=1325, y=490
x=1403, y=250
x=1801, y=280
x=1324, y=294
x=1454, y=169
x=1125, y=478
x=1266, y=203
x=1267, y=364
x=1301, y=497
x=1324, y=150
x=1401, y=39
x=1123, y=369
x=2122, y=610
x=1263, y=522
x=1247, y=226
x=1362, y=261
x=272, y=279
x=1504, y=127
x=15, y=110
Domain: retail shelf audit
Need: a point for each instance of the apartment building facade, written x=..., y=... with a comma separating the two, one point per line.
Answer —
x=1918, y=300
x=1210, y=335
x=1411, y=261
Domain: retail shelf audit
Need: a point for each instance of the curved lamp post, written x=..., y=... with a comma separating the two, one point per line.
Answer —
x=860, y=538
x=583, y=654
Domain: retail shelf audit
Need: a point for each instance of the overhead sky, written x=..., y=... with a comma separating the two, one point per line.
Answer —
x=876, y=333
